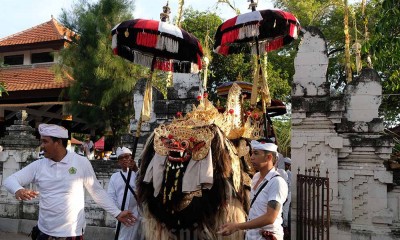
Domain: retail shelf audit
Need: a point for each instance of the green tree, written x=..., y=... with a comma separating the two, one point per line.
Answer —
x=2, y=84
x=2, y=88
x=101, y=92
x=385, y=49
x=203, y=25
x=282, y=128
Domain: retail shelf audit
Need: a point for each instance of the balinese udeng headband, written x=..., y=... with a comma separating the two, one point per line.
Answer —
x=52, y=130
x=123, y=150
x=288, y=161
x=263, y=146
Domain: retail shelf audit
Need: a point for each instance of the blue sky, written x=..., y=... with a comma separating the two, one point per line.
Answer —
x=19, y=15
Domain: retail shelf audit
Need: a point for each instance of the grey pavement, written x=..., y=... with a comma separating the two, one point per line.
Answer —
x=13, y=236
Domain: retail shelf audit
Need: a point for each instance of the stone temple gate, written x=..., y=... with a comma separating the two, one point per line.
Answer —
x=343, y=134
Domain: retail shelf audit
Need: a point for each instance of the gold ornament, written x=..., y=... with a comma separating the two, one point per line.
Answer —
x=194, y=127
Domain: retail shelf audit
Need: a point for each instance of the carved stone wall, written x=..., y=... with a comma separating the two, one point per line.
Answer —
x=20, y=145
x=343, y=134
x=363, y=178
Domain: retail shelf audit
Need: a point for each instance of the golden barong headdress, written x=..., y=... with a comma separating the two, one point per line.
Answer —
x=192, y=130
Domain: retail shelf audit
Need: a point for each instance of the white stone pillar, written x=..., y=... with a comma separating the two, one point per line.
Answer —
x=315, y=142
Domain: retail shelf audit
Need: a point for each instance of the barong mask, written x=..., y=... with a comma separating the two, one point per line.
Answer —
x=182, y=143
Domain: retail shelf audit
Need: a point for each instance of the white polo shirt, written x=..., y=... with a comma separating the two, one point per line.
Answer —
x=277, y=190
x=61, y=193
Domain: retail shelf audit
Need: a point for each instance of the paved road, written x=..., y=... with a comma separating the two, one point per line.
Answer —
x=13, y=236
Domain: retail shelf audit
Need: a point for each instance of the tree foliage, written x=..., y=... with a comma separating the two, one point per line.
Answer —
x=203, y=25
x=385, y=49
x=282, y=129
x=101, y=92
x=3, y=88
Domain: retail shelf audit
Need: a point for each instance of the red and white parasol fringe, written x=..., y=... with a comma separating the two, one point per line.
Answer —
x=249, y=31
x=165, y=43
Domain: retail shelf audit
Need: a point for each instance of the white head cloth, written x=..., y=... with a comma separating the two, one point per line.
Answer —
x=288, y=161
x=123, y=150
x=52, y=130
x=263, y=146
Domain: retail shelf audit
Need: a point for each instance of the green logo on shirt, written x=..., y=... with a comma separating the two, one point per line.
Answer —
x=72, y=170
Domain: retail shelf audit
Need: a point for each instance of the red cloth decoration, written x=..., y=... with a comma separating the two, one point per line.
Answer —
x=146, y=39
x=146, y=24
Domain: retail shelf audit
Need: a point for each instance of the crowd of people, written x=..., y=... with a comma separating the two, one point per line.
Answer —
x=61, y=176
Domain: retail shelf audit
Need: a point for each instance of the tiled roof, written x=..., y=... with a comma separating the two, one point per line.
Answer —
x=31, y=77
x=45, y=32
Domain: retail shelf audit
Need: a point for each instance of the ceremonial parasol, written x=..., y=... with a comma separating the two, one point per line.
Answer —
x=157, y=45
x=271, y=28
x=257, y=32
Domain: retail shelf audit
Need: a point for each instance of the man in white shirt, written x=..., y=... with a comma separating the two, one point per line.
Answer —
x=116, y=188
x=268, y=193
x=286, y=205
x=60, y=178
x=88, y=148
x=280, y=163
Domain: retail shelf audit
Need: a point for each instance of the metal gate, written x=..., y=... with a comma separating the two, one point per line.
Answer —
x=313, y=217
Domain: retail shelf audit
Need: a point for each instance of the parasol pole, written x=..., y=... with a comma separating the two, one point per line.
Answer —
x=264, y=93
x=265, y=96
x=128, y=179
x=135, y=143
x=259, y=73
x=206, y=62
x=253, y=5
x=164, y=17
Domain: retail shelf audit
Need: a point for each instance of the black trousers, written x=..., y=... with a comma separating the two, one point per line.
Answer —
x=43, y=236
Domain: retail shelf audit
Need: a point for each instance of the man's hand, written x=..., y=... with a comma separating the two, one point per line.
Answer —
x=26, y=194
x=133, y=166
x=127, y=218
x=228, y=228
